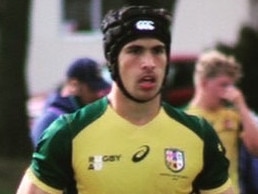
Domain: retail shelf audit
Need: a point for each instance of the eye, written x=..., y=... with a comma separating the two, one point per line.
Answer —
x=135, y=50
x=159, y=50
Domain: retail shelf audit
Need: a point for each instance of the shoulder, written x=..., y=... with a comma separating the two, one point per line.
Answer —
x=197, y=124
x=88, y=113
x=67, y=126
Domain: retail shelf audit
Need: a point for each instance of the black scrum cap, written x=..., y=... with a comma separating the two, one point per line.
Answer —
x=122, y=26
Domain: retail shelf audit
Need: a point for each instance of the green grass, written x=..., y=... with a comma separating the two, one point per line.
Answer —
x=11, y=171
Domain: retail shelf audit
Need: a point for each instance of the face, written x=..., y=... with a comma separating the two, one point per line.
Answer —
x=88, y=95
x=142, y=65
x=215, y=88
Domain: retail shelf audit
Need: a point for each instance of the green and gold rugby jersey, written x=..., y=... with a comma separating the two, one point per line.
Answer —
x=98, y=152
x=226, y=122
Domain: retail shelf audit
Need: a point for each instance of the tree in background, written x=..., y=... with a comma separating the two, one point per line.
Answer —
x=245, y=50
x=14, y=138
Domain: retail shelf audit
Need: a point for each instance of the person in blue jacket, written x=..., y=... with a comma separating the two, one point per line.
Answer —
x=248, y=170
x=84, y=84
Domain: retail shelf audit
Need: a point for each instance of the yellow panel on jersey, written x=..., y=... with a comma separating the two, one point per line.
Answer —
x=226, y=123
x=113, y=151
x=104, y=153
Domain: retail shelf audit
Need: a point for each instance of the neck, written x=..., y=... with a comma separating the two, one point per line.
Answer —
x=136, y=113
x=200, y=100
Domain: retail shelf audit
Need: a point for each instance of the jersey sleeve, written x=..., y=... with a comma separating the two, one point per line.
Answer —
x=51, y=161
x=41, y=124
x=214, y=176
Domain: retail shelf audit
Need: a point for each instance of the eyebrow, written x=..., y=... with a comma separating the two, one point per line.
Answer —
x=135, y=45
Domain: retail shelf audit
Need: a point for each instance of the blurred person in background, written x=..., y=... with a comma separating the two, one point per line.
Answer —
x=84, y=84
x=217, y=99
x=248, y=169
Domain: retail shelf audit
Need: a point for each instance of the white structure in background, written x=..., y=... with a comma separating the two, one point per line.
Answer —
x=198, y=24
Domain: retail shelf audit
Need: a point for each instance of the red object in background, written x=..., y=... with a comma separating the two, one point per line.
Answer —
x=179, y=89
x=179, y=97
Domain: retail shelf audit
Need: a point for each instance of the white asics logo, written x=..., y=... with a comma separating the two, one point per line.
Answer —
x=145, y=25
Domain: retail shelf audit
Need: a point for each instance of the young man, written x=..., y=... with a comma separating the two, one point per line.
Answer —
x=131, y=142
x=84, y=84
x=218, y=100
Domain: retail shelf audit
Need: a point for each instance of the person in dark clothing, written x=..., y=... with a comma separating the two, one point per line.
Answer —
x=248, y=169
x=83, y=85
x=248, y=172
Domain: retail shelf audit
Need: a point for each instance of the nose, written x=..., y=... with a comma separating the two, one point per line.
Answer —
x=148, y=61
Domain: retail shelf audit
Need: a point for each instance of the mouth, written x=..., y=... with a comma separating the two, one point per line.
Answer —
x=147, y=82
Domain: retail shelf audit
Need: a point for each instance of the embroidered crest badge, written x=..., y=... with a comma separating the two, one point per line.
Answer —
x=175, y=159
